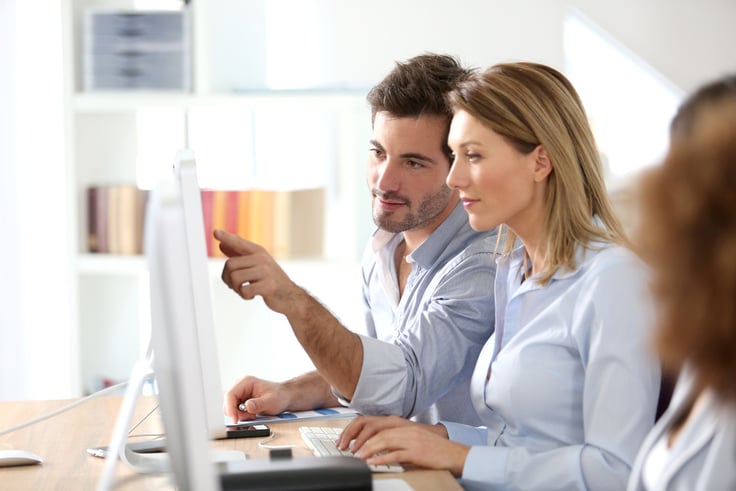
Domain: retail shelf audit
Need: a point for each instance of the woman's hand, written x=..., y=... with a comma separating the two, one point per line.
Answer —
x=389, y=439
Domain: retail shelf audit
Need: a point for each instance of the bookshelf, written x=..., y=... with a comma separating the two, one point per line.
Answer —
x=109, y=141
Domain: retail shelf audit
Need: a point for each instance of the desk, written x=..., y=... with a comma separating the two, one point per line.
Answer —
x=62, y=442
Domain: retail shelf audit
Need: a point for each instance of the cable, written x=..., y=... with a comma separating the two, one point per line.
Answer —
x=140, y=422
x=63, y=409
x=106, y=390
x=263, y=442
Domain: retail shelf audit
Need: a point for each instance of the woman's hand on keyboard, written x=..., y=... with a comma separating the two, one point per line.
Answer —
x=387, y=439
x=362, y=428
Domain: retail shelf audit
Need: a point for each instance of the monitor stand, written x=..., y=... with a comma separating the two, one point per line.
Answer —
x=141, y=372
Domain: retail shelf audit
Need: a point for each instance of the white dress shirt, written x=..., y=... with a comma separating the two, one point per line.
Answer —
x=566, y=387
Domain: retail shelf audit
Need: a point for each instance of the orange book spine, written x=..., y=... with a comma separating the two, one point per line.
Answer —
x=219, y=216
x=243, y=203
x=255, y=219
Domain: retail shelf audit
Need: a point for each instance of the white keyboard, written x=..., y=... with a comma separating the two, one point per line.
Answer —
x=321, y=440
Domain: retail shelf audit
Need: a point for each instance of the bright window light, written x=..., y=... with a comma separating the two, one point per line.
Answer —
x=629, y=104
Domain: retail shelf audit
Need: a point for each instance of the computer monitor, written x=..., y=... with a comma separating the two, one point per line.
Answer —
x=185, y=358
x=182, y=332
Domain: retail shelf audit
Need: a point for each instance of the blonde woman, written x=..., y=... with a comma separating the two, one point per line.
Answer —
x=566, y=388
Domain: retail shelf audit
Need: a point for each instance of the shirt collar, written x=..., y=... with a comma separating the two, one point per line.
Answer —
x=584, y=255
x=430, y=250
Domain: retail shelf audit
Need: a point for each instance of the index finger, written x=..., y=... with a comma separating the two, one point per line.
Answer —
x=356, y=431
x=233, y=245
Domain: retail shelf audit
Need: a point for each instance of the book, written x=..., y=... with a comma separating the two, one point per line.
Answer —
x=115, y=219
x=306, y=223
x=126, y=220
x=97, y=219
x=219, y=216
x=113, y=213
x=243, y=221
x=287, y=224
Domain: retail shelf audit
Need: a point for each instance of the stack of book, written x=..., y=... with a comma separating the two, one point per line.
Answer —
x=288, y=224
x=115, y=218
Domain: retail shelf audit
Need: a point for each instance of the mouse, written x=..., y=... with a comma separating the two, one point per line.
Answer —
x=11, y=458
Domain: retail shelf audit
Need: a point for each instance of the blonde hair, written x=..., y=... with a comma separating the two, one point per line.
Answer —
x=531, y=104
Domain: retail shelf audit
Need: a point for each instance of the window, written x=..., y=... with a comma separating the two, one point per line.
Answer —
x=629, y=104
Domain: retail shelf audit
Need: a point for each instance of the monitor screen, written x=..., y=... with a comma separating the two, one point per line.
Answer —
x=182, y=331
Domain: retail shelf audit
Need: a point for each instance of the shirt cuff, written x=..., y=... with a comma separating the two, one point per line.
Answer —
x=381, y=387
x=465, y=434
x=486, y=465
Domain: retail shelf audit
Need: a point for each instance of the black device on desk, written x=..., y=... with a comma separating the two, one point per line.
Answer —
x=300, y=473
x=247, y=431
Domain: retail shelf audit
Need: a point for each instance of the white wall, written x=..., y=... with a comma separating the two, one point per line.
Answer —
x=357, y=42
x=11, y=336
x=687, y=41
x=35, y=311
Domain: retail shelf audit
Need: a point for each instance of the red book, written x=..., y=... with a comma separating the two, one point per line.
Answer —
x=231, y=215
x=207, y=198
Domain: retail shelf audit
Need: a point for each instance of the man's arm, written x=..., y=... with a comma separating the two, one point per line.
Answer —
x=336, y=352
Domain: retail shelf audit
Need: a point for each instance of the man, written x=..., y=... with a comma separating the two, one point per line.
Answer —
x=427, y=276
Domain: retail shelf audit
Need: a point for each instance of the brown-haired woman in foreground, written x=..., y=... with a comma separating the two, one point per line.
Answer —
x=688, y=234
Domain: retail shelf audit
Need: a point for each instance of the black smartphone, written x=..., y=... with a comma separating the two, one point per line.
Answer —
x=247, y=431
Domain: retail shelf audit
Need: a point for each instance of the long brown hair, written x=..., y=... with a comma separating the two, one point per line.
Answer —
x=688, y=234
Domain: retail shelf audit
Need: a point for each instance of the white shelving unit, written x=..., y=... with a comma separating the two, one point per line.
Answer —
x=105, y=142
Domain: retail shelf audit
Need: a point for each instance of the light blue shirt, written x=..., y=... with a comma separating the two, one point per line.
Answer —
x=420, y=351
x=572, y=387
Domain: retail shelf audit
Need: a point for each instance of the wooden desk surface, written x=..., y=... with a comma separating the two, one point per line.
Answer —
x=62, y=442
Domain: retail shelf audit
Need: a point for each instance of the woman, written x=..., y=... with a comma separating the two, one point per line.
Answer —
x=566, y=387
x=689, y=236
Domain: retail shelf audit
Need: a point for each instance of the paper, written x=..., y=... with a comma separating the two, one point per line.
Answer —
x=323, y=413
x=391, y=485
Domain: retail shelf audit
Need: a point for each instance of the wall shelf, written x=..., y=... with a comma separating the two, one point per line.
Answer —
x=106, y=135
